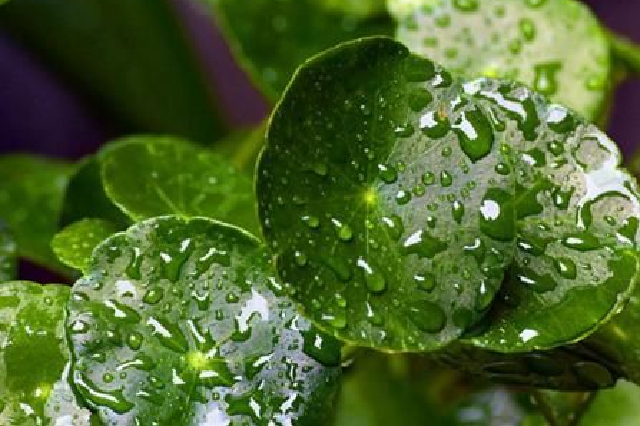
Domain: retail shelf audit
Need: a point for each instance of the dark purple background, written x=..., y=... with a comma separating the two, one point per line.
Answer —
x=39, y=113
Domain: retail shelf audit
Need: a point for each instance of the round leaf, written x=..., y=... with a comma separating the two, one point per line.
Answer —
x=8, y=263
x=74, y=244
x=271, y=38
x=181, y=322
x=555, y=46
x=372, y=210
x=577, y=226
x=396, y=198
x=34, y=356
x=149, y=176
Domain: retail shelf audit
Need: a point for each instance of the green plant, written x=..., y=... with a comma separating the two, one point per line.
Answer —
x=451, y=247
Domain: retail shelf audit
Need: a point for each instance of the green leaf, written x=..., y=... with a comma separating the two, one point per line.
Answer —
x=148, y=176
x=85, y=197
x=75, y=243
x=132, y=58
x=271, y=38
x=360, y=8
x=243, y=146
x=30, y=202
x=395, y=199
x=570, y=368
x=555, y=46
x=34, y=357
x=181, y=322
x=8, y=263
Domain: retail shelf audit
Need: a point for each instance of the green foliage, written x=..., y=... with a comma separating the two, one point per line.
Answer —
x=419, y=193
x=74, y=244
x=405, y=206
x=272, y=38
x=34, y=357
x=131, y=57
x=530, y=41
x=187, y=315
x=30, y=203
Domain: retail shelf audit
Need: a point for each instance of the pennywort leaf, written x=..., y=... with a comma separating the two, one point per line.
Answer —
x=271, y=38
x=397, y=198
x=181, y=321
x=147, y=176
x=75, y=243
x=34, y=357
x=30, y=203
x=8, y=264
x=530, y=41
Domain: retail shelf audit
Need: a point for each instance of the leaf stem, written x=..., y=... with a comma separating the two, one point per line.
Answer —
x=626, y=52
x=544, y=408
x=582, y=410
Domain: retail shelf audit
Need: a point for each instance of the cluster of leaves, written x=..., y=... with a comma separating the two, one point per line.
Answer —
x=399, y=206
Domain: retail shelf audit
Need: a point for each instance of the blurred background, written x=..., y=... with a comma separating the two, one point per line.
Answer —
x=158, y=66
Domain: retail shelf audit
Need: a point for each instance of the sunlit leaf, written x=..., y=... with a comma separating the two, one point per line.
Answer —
x=75, y=243
x=556, y=47
x=34, y=357
x=181, y=322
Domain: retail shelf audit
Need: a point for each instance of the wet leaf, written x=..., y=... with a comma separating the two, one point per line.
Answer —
x=75, y=243
x=30, y=202
x=577, y=229
x=85, y=197
x=8, y=261
x=181, y=322
x=530, y=41
x=271, y=38
x=131, y=58
x=147, y=176
x=34, y=357
x=396, y=198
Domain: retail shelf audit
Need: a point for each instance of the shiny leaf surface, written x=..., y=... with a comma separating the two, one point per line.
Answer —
x=181, y=322
x=34, y=357
x=530, y=41
x=75, y=243
x=271, y=38
x=396, y=198
x=149, y=176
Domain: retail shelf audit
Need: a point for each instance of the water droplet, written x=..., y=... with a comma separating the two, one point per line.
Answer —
x=425, y=281
x=343, y=230
x=419, y=100
x=169, y=335
x=427, y=316
x=566, y=268
x=497, y=218
x=423, y=244
x=446, y=180
x=394, y=226
x=466, y=5
x=475, y=134
x=527, y=29
x=311, y=221
x=546, y=78
x=375, y=281
x=301, y=258
x=403, y=197
x=536, y=282
x=428, y=178
x=582, y=242
x=434, y=124
x=114, y=400
x=153, y=295
x=387, y=173
x=457, y=211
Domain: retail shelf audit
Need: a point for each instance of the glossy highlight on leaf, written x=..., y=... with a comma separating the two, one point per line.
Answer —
x=75, y=243
x=398, y=199
x=271, y=38
x=181, y=321
x=530, y=41
x=30, y=203
x=34, y=357
x=148, y=176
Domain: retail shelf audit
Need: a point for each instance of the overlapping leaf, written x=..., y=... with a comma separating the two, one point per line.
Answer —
x=8, y=261
x=530, y=41
x=181, y=322
x=75, y=243
x=34, y=357
x=396, y=198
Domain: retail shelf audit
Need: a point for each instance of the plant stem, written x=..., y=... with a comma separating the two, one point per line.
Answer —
x=544, y=408
x=625, y=51
x=584, y=407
